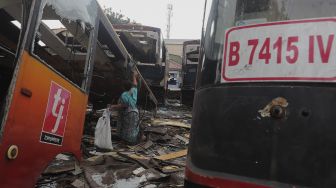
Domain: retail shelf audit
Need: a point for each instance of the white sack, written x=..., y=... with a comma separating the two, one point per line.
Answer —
x=103, y=131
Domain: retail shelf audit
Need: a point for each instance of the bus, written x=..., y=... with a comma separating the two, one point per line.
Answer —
x=55, y=58
x=265, y=93
x=189, y=71
x=146, y=45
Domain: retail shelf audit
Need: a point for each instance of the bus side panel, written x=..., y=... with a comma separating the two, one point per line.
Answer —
x=25, y=121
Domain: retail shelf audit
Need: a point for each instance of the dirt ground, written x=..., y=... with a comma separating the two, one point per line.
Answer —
x=157, y=161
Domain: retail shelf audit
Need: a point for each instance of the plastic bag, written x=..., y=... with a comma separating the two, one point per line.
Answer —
x=103, y=132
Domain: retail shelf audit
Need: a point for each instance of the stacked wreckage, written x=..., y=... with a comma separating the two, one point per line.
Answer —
x=157, y=161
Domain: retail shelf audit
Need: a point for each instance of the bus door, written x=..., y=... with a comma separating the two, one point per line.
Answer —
x=46, y=111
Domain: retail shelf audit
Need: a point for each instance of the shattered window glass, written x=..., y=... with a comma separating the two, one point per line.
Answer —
x=62, y=37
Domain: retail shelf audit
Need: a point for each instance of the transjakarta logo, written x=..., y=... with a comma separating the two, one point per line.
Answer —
x=56, y=115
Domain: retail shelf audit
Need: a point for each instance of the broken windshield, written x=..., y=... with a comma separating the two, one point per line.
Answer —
x=85, y=11
x=63, y=34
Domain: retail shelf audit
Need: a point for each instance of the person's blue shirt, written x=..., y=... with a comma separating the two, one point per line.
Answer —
x=130, y=97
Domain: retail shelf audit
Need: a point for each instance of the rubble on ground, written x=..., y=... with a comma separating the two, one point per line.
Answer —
x=157, y=161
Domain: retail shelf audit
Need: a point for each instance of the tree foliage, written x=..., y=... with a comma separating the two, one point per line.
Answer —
x=116, y=18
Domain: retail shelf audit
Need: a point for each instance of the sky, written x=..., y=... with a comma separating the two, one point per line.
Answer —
x=186, y=22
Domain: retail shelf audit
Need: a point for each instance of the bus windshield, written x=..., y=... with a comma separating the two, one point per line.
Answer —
x=225, y=14
x=62, y=38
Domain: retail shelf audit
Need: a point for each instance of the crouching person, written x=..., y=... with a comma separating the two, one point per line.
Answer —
x=128, y=123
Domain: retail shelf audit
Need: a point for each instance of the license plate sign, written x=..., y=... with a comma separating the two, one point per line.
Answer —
x=296, y=50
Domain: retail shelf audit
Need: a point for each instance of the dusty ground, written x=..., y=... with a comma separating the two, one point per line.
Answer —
x=158, y=161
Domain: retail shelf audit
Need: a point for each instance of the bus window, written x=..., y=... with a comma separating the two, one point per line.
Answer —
x=163, y=51
x=252, y=6
x=213, y=39
x=108, y=61
x=10, y=12
x=142, y=45
x=62, y=44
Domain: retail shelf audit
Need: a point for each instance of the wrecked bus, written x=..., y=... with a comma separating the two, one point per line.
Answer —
x=189, y=71
x=55, y=56
x=263, y=113
x=146, y=45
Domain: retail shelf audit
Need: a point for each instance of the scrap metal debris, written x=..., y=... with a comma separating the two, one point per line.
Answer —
x=157, y=161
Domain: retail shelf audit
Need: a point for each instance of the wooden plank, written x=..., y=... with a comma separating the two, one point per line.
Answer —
x=94, y=158
x=157, y=130
x=138, y=157
x=171, y=123
x=142, y=161
x=78, y=184
x=172, y=155
x=185, y=140
x=188, y=115
x=59, y=167
x=171, y=169
x=143, y=146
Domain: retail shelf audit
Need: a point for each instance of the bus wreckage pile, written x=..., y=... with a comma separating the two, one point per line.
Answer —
x=157, y=161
